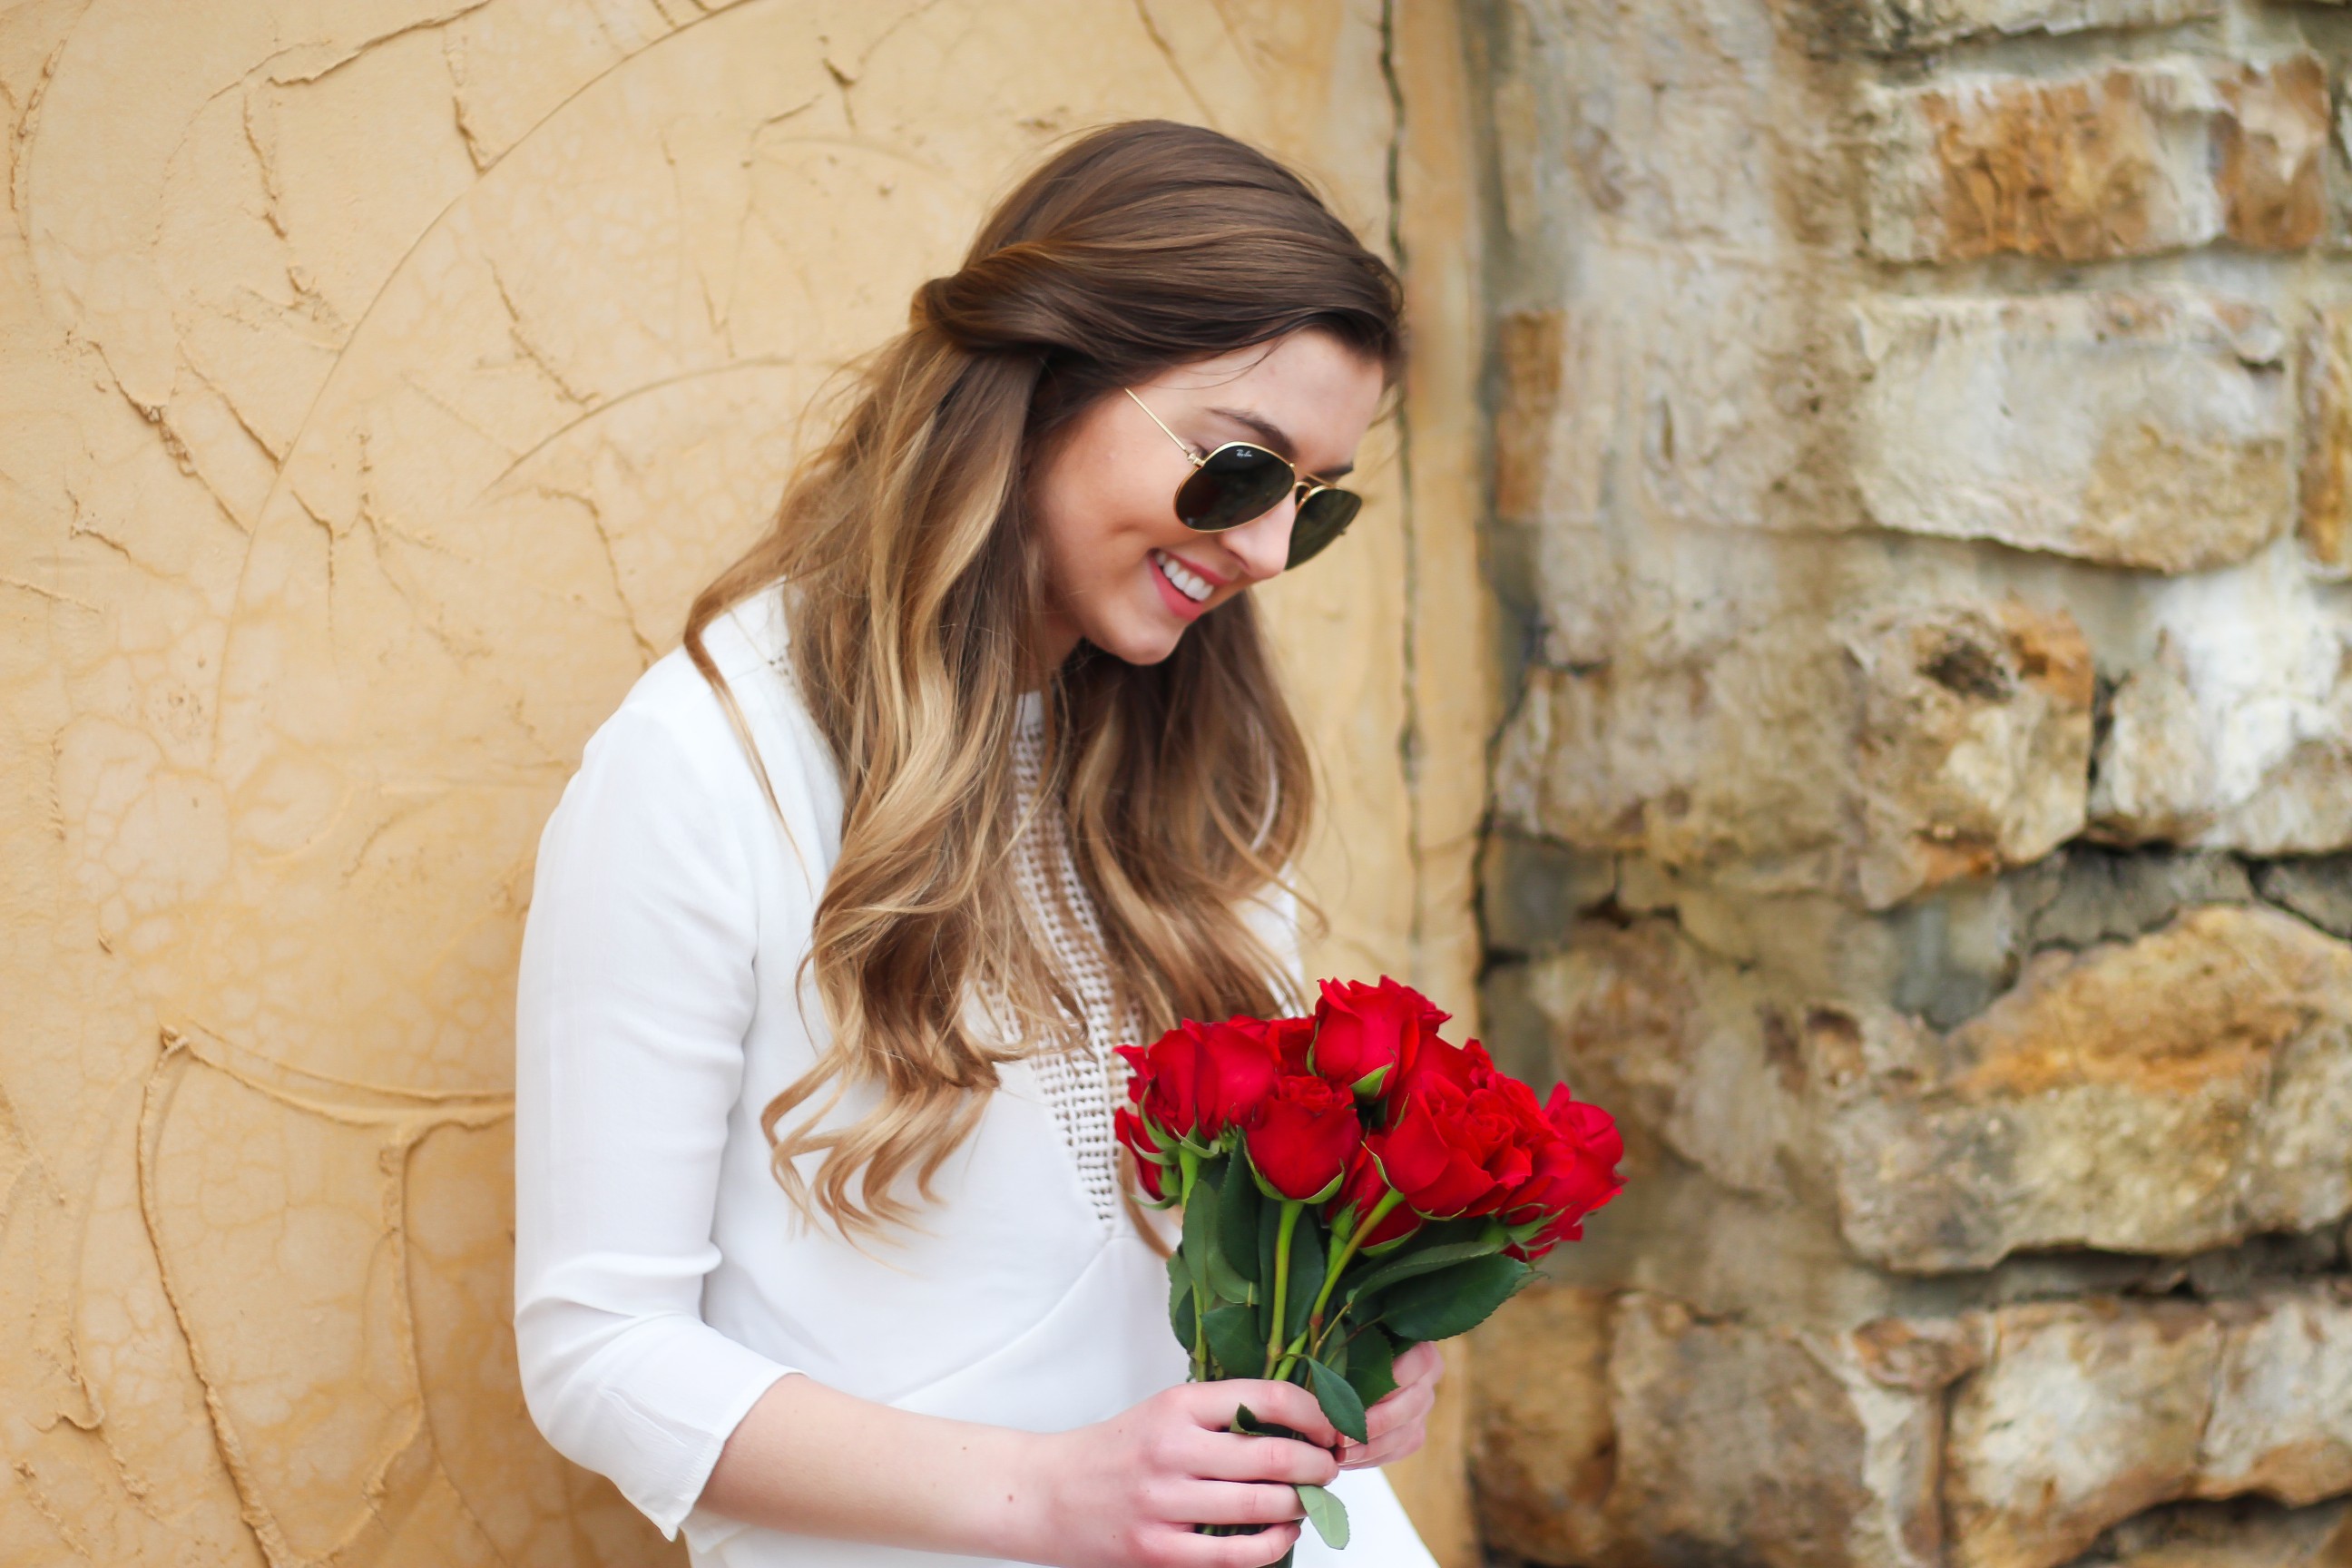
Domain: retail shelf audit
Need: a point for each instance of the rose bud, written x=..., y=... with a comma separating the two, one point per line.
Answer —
x=1302, y=1137
x=1198, y=1080
x=1359, y=1194
x=1363, y=1033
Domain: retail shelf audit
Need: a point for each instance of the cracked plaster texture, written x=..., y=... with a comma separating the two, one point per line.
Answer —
x=378, y=380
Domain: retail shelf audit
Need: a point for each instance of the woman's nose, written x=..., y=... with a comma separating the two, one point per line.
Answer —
x=1263, y=544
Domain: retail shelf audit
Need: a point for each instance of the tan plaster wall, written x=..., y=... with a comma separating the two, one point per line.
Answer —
x=377, y=380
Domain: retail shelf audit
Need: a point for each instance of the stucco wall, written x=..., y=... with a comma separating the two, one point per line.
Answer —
x=378, y=378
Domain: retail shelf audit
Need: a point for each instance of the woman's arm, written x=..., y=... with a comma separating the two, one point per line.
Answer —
x=634, y=995
x=1123, y=1493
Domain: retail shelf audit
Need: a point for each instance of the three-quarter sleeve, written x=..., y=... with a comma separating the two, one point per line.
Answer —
x=635, y=994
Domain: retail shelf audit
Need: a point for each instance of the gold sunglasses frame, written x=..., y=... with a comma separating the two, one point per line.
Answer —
x=1308, y=483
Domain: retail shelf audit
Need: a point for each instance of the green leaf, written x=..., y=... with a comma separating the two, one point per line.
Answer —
x=1199, y=1236
x=1237, y=1218
x=1234, y=1344
x=1179, y=1303
x=1424, y=1260
x=1339, y=1400
x=1327, y=1513
x=1371, y=1365
x=1452, y=1300
x=1307, y=1263
x=1227, y=1286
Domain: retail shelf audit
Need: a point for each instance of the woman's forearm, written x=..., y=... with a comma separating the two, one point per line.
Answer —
x=813, y=1460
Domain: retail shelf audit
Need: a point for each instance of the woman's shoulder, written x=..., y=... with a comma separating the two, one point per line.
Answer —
x=749, y=645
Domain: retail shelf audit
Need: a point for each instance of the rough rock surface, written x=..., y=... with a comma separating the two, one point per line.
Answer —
x=2229, y=737
x=2165, y=1095
x=2085, y=1414
x=1632, y=1431
x=1542, y=1442
x=1884, y=757
x=2145, y=430
x=2179, y=1092
x=2208, y=1535
x=1921, y=24
x=2135, y=159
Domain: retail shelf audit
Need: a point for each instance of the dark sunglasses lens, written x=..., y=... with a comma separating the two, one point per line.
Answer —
x=1233, y=485
x=1323, y=518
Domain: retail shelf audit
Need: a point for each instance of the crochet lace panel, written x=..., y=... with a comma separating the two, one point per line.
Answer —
x=1081, y=1081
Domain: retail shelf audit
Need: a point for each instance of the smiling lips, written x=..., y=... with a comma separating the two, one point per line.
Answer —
x=1185, y=580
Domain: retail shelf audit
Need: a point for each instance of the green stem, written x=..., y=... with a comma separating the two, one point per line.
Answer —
x=1189, y=1163
x=1348, y=1248
x=1291, y=1211
x=1346, y=1255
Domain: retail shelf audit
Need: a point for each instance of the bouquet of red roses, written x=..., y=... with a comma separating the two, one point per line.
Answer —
x=1351, y=1184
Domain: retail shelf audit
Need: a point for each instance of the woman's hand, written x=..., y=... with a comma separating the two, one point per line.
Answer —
x=1398, y=1424
x=1125, y=1492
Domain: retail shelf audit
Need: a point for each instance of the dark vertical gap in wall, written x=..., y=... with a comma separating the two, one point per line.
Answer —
x=1409, y=736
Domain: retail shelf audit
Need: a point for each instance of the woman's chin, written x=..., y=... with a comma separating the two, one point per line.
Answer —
x=1135, y=644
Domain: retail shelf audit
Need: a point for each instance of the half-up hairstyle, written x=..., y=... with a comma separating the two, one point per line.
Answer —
x=911, y=580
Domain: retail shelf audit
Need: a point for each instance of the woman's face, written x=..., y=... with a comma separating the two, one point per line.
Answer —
x=1121, y=571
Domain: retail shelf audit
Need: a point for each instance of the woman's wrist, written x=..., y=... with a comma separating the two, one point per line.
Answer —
x=1014, y=1495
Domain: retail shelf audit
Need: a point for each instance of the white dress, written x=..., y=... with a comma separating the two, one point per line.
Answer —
x=662, y=1279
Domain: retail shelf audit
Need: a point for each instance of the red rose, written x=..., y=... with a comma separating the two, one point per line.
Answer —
x=1364, y=1033
x=1199, y=1079
x=1574, y=1172
x=1290, y=1039
x=1452, y=1153
x=1287, y=1038
x=1463, y=1067
x=1361, y=1192
x=1151, y=1161
x=1303, y=1136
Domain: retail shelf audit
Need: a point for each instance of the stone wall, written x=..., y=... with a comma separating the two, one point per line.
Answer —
x=1922, y=465
x=378, y=379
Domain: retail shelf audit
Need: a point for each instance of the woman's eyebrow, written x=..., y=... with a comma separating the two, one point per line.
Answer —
x=1275, y=437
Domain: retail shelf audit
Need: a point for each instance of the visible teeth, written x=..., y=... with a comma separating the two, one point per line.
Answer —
x=1191, y=583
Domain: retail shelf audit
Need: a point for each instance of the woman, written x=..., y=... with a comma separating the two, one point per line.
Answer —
x=974, y=768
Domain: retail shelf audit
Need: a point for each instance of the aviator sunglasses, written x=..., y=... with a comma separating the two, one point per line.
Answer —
x=1240, y=482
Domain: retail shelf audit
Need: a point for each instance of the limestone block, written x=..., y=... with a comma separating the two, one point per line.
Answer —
x=1692, y=386
x=1974, y=746
x=2282, y=1418
x=2128, y=161
x=2325, y=493
x=2182, y=1090
x=2087, y=1412
x=2165, y=1095
x=2082, y=1414
x=1686, y=1048
x=2145, y=430
x=2236, y=734
x=1876, y=756
x=1903, y=25
x=1629, y=1429
x=1772, y=1445
x=1543, y=1447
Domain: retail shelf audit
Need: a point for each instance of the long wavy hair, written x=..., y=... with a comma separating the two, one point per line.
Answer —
x=912, y=579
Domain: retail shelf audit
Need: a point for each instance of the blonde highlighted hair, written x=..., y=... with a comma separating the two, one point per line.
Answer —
x=912, y=580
